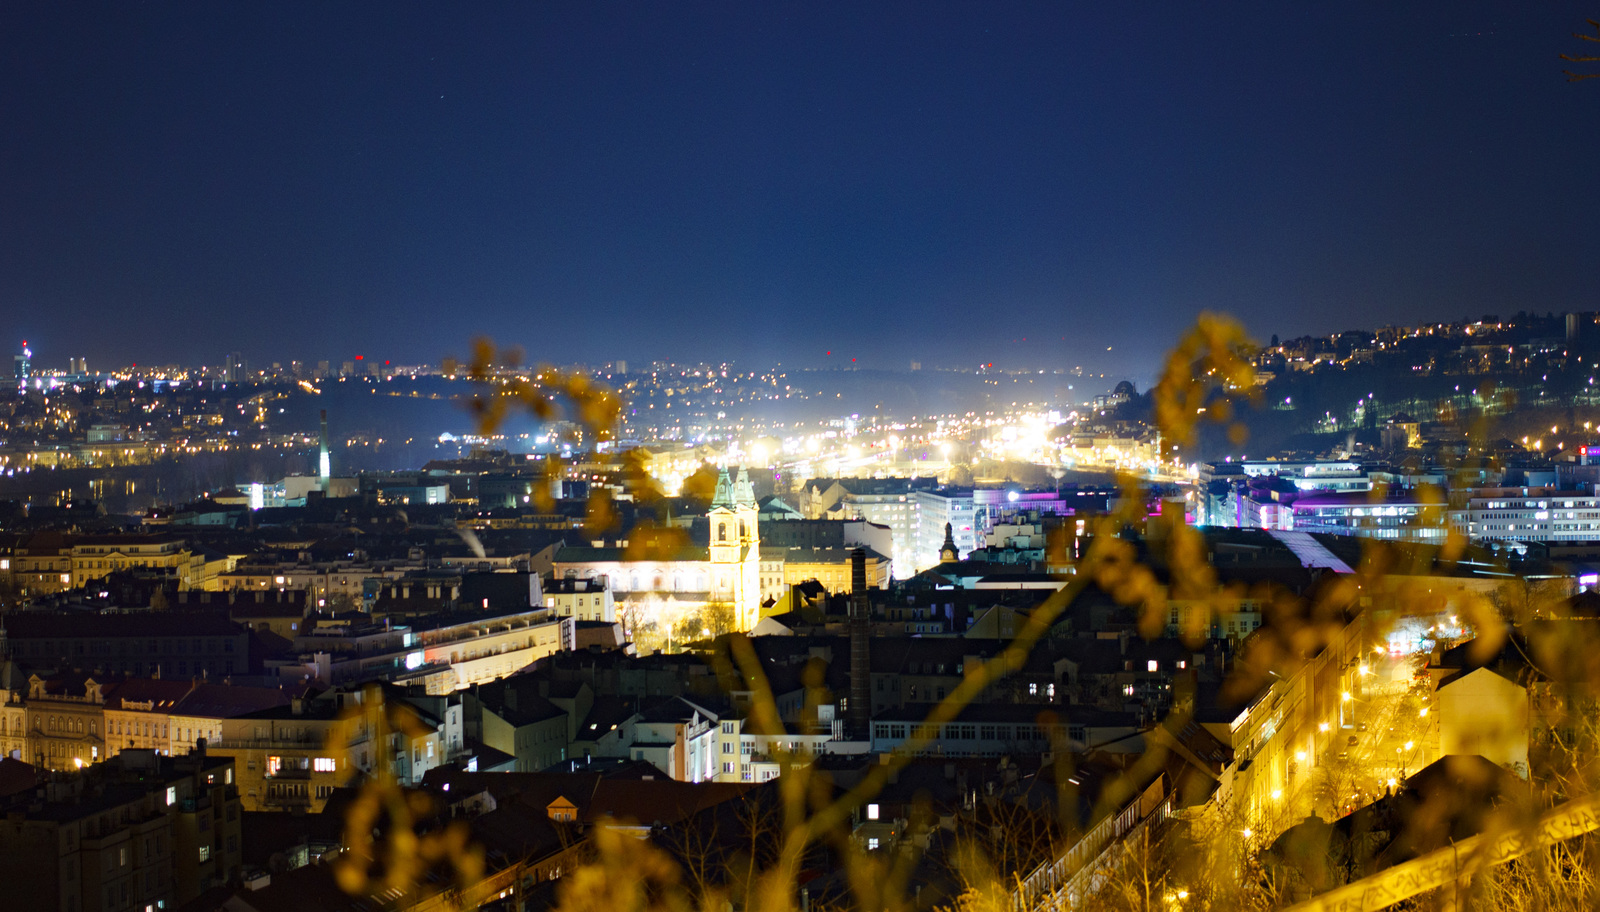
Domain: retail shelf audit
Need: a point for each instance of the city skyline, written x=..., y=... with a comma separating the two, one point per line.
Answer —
x=798, y=456
x=776, y=185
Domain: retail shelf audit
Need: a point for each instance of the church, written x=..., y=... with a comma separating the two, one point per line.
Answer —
x=725, y=570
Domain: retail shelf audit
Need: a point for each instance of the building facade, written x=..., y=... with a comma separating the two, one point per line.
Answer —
x=140, y=833
x=726, y=571
x=1530, y=515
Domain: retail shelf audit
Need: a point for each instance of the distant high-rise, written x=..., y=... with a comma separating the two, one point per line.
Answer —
x=235, y=369
x=24, y=364
x=619, y=367
x=79, y=366
x=324, y=461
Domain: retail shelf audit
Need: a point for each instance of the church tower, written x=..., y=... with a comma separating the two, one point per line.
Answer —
x=735, y=547
x=947, y=551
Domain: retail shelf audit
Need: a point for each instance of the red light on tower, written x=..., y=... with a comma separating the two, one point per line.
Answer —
x=358, y=357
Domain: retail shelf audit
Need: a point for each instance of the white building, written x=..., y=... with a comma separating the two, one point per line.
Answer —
x=901, y=512
x=679, y=738
x=727, y=570
x=935, y=508
x=587, y=599
x=1530, y=515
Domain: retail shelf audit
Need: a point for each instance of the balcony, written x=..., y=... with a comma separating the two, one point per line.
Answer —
x=286, y=800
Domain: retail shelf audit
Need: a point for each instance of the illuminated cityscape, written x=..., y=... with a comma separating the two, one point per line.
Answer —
x=791, y=458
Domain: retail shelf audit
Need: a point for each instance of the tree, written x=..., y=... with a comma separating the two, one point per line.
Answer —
x=1583, y=58
x=10, y=595
x=711, y=620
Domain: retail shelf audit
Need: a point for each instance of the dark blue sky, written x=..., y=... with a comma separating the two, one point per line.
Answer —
x=770, y=181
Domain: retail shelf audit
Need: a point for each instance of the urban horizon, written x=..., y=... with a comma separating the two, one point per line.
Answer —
x=895, y=457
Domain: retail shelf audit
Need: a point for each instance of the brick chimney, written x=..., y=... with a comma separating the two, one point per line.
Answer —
x=860, y=714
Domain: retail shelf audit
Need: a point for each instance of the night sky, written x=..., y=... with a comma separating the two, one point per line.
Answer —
x=1022, y=183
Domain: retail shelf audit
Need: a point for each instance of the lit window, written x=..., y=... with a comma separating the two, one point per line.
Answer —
x=172, y=795
x=872, y=812
x=324, y=765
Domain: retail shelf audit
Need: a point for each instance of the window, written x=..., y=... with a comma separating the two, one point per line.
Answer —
x=172, y=795
x=324, y=765
x=205, y=853
x=872, y=812
x=872, y=843
x=1152, y=665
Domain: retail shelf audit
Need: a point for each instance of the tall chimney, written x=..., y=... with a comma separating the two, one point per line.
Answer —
x=860, y=658
x=324, y=464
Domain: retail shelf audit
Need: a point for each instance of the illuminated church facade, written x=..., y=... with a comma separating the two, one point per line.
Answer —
x=727, y=570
